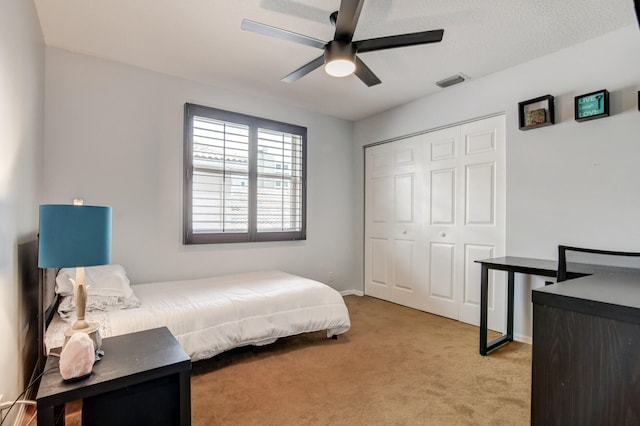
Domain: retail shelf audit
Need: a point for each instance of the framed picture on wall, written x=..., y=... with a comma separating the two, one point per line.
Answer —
x=592, y=105
x=537, y=112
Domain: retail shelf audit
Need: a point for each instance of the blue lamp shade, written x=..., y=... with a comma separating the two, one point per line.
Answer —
x=72, y=236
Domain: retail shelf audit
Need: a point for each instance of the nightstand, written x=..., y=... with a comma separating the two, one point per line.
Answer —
x=143, y=378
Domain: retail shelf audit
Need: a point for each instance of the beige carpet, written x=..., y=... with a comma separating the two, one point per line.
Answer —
x=396, y=366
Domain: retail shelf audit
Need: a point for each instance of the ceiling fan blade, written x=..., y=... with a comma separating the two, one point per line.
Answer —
x=270, y=31
x=401, y=40
x=304, y=70
x=348, y=19
x=365, y=74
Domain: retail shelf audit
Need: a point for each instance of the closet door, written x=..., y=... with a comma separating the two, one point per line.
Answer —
x=393, y=215
x=443, y=192
x=465, y=221
x=484, y=218
x=434, y=204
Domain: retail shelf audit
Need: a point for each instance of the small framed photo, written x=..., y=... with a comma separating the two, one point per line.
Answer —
x=592, y=105
x=537, y=112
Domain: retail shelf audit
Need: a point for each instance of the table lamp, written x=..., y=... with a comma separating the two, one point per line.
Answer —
x=75, y=236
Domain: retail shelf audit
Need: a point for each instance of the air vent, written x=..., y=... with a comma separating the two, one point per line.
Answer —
x=450, y=81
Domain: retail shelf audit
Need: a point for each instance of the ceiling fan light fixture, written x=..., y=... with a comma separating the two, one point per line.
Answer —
x=339, y=67
x=339, y=59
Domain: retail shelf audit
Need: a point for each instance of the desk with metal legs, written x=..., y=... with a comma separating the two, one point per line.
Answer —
x=525, y=265
x=511, y=265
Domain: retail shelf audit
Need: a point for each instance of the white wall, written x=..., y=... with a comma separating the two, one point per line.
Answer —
x=114, y=136
x=21, y=145
x=571, y=183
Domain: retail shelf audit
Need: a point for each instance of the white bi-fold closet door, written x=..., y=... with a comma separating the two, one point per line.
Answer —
x=435, y=203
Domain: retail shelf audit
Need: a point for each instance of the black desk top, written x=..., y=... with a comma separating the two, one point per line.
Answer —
x=549, y=268
x=608, y=291
x=128, y=359
x=525, y=265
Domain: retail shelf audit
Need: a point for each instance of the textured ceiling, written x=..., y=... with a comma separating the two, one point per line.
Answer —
x=201, y=40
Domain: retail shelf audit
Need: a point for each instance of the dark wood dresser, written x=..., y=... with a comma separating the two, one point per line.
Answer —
x=586, y=351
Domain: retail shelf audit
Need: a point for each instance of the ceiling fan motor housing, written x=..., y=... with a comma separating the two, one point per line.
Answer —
x=337, y=49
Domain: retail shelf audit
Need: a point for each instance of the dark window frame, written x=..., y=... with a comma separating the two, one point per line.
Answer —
x=254, y=123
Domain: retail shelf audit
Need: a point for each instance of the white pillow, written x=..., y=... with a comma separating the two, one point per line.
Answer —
x=104, y=280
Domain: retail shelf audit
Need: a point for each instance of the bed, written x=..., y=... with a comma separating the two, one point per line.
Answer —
x=207, y=316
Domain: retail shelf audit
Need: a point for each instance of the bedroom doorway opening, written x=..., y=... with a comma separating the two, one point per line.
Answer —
x=434, y=204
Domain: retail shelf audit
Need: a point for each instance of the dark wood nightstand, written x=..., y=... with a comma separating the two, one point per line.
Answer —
x=143, y=378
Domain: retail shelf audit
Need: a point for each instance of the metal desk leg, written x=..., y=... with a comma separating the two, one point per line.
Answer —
x=485, y=346
x=510, y=297
x=484, y=306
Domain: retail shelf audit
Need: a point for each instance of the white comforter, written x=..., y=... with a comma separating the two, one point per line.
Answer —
x=211, y=315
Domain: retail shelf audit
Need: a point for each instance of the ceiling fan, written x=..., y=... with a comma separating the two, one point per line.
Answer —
x=340, y=54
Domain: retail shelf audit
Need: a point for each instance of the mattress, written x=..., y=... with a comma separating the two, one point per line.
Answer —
x=211, y=315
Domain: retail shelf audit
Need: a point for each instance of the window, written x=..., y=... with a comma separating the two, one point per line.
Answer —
x=245, y=178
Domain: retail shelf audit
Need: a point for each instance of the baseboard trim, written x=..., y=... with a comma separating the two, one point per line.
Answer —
x=523, y=339
x=352, y=293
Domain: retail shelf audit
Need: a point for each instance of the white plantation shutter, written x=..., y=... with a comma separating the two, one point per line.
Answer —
x=279, y=181
x=220, y=176
x=245, y=178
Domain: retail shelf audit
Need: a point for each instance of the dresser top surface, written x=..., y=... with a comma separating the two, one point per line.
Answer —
x=131, y=357
x=607, y=293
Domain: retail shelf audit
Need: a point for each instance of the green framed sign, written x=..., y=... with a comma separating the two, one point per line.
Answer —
x=592, y=105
